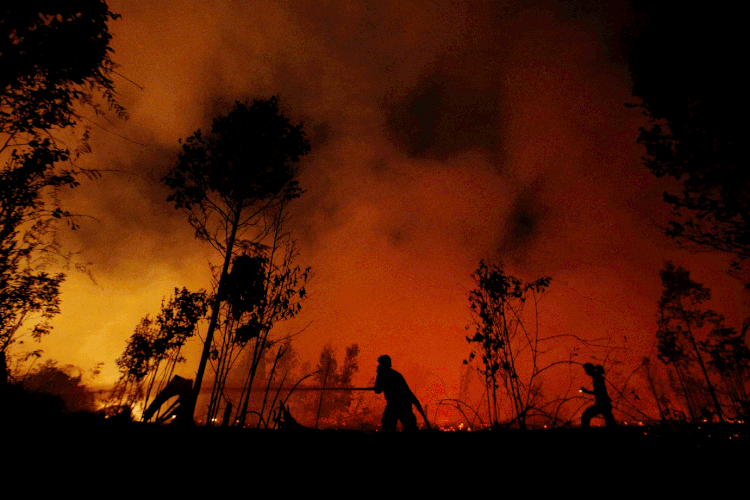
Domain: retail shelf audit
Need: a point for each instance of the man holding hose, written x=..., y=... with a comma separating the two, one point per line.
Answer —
x=399, y=398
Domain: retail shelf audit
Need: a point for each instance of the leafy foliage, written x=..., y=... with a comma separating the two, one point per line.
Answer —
x=684, y=70
x=283, y=293
x=54, y=62
x=259, y=293
x=730, y=358
x=54, y=56
x=681, y=320
x=248, y=161
x=235, y=185
x=729, y=352
x=136, y=361
x=156, y=341
x=500, y=337
x=246, y=284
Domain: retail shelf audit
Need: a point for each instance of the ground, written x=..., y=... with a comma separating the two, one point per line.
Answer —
x=530, y=459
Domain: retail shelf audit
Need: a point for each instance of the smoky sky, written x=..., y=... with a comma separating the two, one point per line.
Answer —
x=443, y=133
x=439, y=119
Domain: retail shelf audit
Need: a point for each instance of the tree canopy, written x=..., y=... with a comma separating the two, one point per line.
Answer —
x=235, y=184
x=55, y=62
x=250, y=159
x=685, y=67
x=54, y=56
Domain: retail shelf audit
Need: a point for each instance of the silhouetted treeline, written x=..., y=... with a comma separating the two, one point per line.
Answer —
x=685, y=71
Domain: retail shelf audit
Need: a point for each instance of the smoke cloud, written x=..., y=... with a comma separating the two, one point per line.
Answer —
x=443, y=133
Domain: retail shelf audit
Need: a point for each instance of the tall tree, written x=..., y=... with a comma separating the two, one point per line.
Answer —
x=55, y=64
x=681, y=320
x=686, y=70
x=233, y=184
x=730, y=358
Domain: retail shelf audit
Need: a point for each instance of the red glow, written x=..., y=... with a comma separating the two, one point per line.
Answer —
x=392, y=237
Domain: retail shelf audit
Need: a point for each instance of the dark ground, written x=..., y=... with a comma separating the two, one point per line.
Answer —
x=98, y=443
x=85, y=452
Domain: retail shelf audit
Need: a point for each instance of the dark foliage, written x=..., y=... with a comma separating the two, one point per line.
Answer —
x=155, y=347
x=682, y=320
x=246, y=283
x=54, y=56
x=250, y=156
x=500, y=337
x=686, y=69
x=64, y=382
x=157, y=340
x=54, y=63
x=234, y=185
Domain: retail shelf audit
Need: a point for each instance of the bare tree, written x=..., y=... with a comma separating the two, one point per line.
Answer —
x=501, y=338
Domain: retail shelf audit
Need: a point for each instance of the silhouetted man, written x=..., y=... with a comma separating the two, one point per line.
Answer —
x=398, y=397
x=603, y=405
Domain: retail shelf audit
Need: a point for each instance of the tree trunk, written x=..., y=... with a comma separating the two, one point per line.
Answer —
x=190, y=409
x=711, y=390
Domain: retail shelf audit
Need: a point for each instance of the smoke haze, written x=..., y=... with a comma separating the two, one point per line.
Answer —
x=443, y=133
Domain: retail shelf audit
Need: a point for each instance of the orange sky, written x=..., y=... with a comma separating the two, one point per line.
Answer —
x=443, y=133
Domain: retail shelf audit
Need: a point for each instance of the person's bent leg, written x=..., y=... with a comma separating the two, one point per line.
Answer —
x=608, y=418
x=588, y=414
